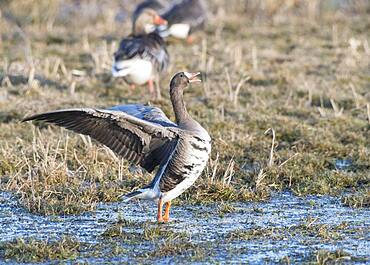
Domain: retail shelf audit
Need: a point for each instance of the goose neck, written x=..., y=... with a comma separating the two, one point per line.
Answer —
x=179, y=107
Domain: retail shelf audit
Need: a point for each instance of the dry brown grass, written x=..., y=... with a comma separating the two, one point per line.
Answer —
x=298, y=68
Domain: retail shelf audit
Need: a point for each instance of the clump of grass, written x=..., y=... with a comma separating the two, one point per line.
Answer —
x=148, y=231
x=157, y=232
x=227, y=208
x=306, y=229
x=117, y=229
x=32, y=250
x=324, y=257
x=357, y=200
x=179, y=249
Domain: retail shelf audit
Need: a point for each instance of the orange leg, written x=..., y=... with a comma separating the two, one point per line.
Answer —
x=190, y=39
x=166, y=216
x=159, y=214
x=151, y=86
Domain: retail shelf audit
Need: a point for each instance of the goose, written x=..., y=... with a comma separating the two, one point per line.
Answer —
x=184, y=17
x=143, y=55
x=145, y=136
x=158, y=6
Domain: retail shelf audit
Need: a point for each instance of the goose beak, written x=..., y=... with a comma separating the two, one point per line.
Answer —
x=159, y=20
x=193, y=77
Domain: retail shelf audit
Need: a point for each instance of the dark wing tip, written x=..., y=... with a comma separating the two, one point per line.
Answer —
x=50, y=116
x=30, y=118
x=38, y=117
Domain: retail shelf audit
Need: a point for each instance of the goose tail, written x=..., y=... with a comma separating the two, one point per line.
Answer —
x=146, y=194
x=129, y=196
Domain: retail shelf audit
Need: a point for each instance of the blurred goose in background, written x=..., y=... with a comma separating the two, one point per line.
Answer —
x=184, y=17
x=145, y=136
x=158, y=6
x=142, y=56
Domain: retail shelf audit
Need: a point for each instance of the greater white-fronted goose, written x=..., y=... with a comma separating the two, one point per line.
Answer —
x=143, y=55
x=184, y=17
x=158, y=6
x=145, y=136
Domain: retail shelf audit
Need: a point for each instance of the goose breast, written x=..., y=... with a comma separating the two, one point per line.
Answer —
x=186, y=165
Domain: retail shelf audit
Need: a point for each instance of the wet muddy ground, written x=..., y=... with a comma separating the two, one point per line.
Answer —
x=285, y=229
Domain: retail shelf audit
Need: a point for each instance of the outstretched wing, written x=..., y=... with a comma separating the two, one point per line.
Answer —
x=147, y=113
x=149, y=47
x=135, y=139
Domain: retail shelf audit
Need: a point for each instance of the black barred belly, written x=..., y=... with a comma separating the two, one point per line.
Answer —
x=169, y=182
x=186, y=164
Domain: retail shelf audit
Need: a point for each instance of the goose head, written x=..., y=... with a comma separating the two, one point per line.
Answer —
x=181, y=80
x=147, y=21
x=177, y=85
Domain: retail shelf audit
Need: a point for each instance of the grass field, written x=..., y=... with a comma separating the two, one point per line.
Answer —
x=285, y=97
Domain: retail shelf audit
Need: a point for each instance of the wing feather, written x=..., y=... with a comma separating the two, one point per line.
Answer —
x=135, y=139
x=147, y=113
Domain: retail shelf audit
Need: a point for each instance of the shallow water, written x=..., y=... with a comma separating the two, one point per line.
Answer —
x=206, y=226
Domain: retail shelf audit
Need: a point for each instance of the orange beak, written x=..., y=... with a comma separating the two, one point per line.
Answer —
x=158, y=20
x=193, y=77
